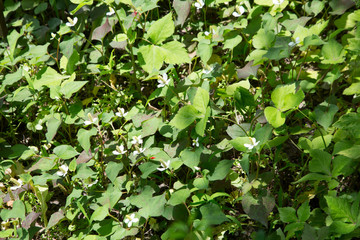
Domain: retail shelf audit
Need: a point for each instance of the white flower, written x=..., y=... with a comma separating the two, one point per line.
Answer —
x=130, y=219
x=141, y=150
x=91, y=120
x=196, y=142
x=19, y=184
x=111, y=12
x=239, y=11
x=63, y=169
x=92, y=183
x=53, y=35
x=164, y=166
x=254, y=144
x=121, y=112
x=207, y=71
x=199, y=4
x=197, y=168
x=136, y=140
x=163, y=81
x=293, y=44
x=278, y=2
x=208, y=33
x=71, y=22
x=119, y=150
x=8, y=171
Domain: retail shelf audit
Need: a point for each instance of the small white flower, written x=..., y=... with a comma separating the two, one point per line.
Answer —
x=207, y=71
x=254, y=144
x=119, y=150
x=53, y=35
x=197, y=168
x=121, y=112
x=130, y=219
x=196, y=142
x=239, y=11
x=91, y=120
x=111, y=12
x=164, y=166
x=163, y=81
x=93, y=183
x=199, y=4
x=293, y=44
x=63, y=169
x=211, y=32
x=141, y=150
x=136, y=140
x=278, y=2
x=71, y=22
x=18, y=185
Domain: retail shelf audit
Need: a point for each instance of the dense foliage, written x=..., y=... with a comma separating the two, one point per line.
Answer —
x=180, y=119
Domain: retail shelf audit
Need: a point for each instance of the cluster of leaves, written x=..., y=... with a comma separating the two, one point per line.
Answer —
x=180, y=119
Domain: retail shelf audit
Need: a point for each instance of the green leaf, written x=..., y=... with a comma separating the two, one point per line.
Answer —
x=112, y=170
x=175, y=53
x=232, y=39
x=48, y=77
x=201, y=125
x=69, y=88
x=353, y=89
x=151, y=58
x=274, y=116
x=12, y=40
x=84, y=172
x=149, y=127
x=243, y=98
x=17, y=211
x=179, y=197
x=333, y=52
x=65, y=152
x=204, y=50
x=153, y=207
x=201, y=183
x=348, y=20
x=161, y=29
x=324, y=114
x=52, y=125
x=339, y=208
x=238, y=143
x=99, y=214
x=313, y=177
x=201, y=100
x=191, y=158
x=349, y=122
x=285, y=98
x=83, y=137
x=148, y=168
x=221, y=170
x=212, y=214
x=303, y=211
x=263, y=39
x=287, y=214
x=185, y=117
x=320, y=162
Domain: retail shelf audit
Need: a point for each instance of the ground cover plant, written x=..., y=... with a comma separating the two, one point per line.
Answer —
x=180, y=119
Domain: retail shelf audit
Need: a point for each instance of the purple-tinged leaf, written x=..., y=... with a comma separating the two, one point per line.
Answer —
x=100, y=32
x=84, y=157
x=55, y=218
x=248, y=70
x=340, y=6
x=30, y=218
x=182, y=9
